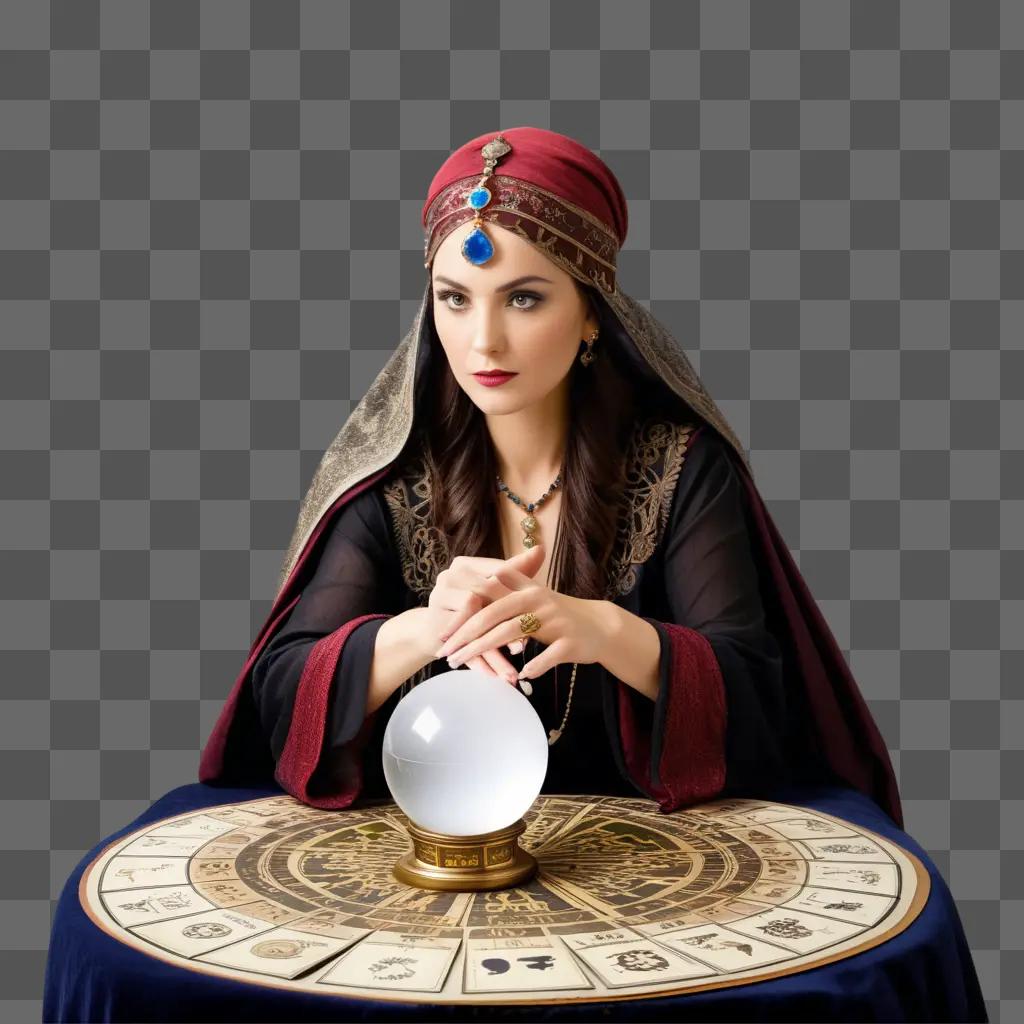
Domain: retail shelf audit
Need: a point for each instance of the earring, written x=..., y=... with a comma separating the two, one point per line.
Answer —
x=588, y=357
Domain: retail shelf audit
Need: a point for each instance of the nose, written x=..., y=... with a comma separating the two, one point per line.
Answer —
x=488, y=331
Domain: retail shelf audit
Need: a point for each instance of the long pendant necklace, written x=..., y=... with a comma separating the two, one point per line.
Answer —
x=529, y=525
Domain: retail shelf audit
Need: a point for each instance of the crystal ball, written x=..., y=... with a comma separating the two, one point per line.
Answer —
x=464, y=753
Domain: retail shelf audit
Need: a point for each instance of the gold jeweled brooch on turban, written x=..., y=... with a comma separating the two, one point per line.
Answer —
x=477, y=247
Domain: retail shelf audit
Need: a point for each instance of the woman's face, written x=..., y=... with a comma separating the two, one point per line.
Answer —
x=533, y=328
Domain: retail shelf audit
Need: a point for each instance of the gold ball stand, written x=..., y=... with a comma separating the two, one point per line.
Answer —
x=492, y=860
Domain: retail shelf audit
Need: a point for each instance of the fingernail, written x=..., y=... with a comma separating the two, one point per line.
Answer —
x=516, y=647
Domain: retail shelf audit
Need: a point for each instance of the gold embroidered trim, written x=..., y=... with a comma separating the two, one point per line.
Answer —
x=652, y=471
x=579, y=240
x=452, y=198
x=656, y=454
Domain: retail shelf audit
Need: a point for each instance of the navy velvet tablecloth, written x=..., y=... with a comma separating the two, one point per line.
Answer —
x=925, y=973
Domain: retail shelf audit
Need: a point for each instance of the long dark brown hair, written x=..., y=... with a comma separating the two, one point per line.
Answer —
x=604, y=400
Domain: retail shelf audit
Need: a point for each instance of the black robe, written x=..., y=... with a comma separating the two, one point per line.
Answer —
x=701, y=575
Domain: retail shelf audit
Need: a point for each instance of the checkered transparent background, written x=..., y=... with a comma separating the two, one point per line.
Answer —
x=210, y=244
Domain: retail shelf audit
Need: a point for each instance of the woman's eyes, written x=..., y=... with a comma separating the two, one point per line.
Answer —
x=535, y=300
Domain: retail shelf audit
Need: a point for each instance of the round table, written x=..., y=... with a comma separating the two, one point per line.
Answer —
x=245, y=904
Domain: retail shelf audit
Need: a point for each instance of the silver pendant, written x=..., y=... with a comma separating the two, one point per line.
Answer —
x=553, y=736
x=526, y=686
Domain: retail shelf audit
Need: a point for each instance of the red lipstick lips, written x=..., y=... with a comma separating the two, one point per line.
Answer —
x=493, y=378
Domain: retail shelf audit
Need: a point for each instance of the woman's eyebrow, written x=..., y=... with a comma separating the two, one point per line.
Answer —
x=504, y=288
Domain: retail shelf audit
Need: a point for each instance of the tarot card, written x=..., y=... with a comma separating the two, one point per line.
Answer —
x=880, y=878
x=275, y=913
x=141, y=906
x=857, y=907
x=723, y=949
x=653, y=929
x=199, y=933
x=197, y=825
x=855, y=848
x=771, y=892
x=523, y=964
x=227, y=893
x=283, y=952
x=143, y=872
x=329, y=922
x=794, y=929
x=730, y=910
x=764, y=813
x=811, y=827
x=774, y=869
x=164, y=846
x=724, y=808
x=212, y=869
x=779, y=850
x=396, y=961
x=621, y=957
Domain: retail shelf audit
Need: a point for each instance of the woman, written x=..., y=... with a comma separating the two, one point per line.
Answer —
x=672, y=648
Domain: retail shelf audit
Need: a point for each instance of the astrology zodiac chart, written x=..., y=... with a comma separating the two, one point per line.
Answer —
x=628, y=902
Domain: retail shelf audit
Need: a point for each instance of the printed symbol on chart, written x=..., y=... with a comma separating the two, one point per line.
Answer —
x=224, y=888
x=514, y=902
x=152, y=841
x=401, y=968
x=213, y=867
x=236, y=839
x=790, y=928
x=816, y=897
x=865, y=877
x=170, y=901
x=756, y=836
x=848, y=848
x=728, y=808
x=537, y=962
x=705, y=942
x=774, y=851
x=639, y=960
x=814, y=825
x=130, y=873
x=282, y=949
x=206, y=930
x=421, y=901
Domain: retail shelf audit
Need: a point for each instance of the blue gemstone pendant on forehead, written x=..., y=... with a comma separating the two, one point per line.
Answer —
x=477, y=247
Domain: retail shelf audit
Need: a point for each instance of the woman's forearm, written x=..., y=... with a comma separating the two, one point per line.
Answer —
x=397, y=654
x=632, y=651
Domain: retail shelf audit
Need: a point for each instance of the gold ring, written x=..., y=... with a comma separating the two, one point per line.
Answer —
x=528, y=623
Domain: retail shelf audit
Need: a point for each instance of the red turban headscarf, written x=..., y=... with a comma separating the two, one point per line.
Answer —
x=548, y=187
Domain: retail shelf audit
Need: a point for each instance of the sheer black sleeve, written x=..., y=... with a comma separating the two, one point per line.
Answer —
x=712, y=585
x=357, y=574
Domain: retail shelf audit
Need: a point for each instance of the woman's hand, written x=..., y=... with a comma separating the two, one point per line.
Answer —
x=461, y=590
x=574, y=629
